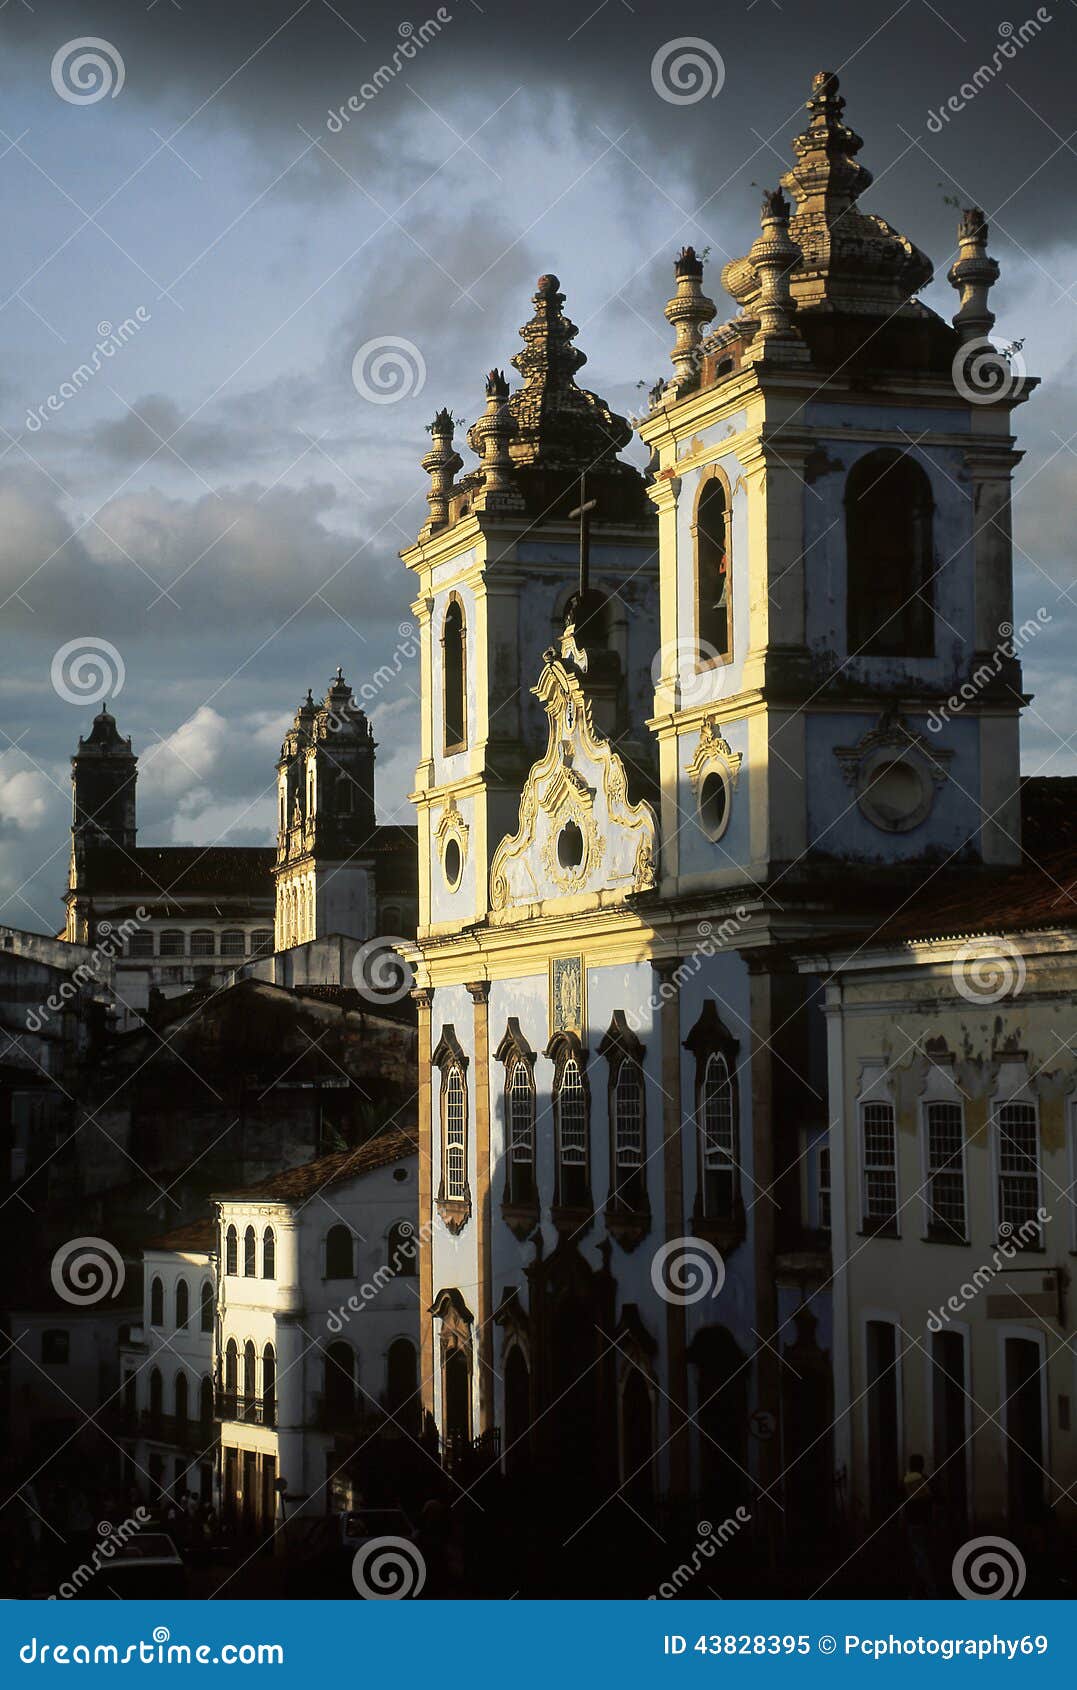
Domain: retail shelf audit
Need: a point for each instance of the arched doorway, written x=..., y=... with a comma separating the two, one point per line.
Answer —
x=517, y=1376
x=402, y=1385
x=637, y=1439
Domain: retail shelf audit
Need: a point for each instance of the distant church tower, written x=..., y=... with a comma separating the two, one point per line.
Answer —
x=325, y=822
x=103, y=775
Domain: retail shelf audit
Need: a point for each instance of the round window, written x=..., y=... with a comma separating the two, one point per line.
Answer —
x=714, y=804
x=453, y=863
x=570, y=846
x=895, y=795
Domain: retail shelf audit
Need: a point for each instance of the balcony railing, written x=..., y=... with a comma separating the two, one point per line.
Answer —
x=165, y=1429
x=254, y=1411
x=472, y=1455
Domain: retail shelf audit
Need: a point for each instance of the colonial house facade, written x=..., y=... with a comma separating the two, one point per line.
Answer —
x=953, y=1085
x=164, y=1414
x=317, y=1329
x=723, y=749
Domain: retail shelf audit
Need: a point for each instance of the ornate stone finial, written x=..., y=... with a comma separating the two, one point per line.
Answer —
x=441, y=464
x=490, y=438
x=560, y=425
x=686, y=313
x=826, y=177
x=973, y=274
x=772, y=257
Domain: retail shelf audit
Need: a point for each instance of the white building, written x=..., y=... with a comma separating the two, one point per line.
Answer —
x=318, y=1328
x=165, y=1409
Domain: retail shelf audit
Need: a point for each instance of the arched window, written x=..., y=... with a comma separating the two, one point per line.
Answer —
x=156, y=1397
x=233, y=942
x=250, y=1380
x=571, y=1122
x=889, y=560
x=140, y=943
x=454, y=1117
x=339, y=1255
x=714, y=604
x=203, y=942
x=339, y=1396
x=181, y=1399
x=173, y=942
x=520, y=1117
x=269, y=1254
x=453, y=645
x=157, y=1303
x=250, y=1253
x=262, y=941
x=402, y=1384
x=402, y=1248
x=231, y=1251
x=719, y=1139
x=269, y=1385
x=205, y=1403
x=206, y=1311
x=183, y=1305
x=231, y=1378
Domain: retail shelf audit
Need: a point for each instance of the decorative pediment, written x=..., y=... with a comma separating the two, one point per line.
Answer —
x=449, y=1050
x=450, y=823
x=895, y=773
x=578, y=832
x=713, y=748
x=514, y=1045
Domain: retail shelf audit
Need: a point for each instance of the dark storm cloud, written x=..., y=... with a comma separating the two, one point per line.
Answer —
x=267, y=65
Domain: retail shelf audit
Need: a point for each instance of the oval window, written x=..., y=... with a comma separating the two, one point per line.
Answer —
x=894, y=794
x=454, y=863
x=714, y=804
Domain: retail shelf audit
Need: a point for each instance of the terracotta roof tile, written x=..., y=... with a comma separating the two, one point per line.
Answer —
x=195, y=1236
x=295, y=1185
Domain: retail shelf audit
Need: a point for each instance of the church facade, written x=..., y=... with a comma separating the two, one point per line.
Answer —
x=649, y=774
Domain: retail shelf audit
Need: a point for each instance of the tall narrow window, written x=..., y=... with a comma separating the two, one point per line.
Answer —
x=455, y=1142
x=402, y=1249
x=231, y=1251
x=520, y=1112
x=231, y=1378
x=823, y=1188
x=714, y=620
x=206, y=1321
x=570, y=1101
x=269, y=1385
x=719, y=1139
x=157, y=1303
x=181, y=1400
x=889, y=558
x=453, y=638
x=880, y=1167
x=250, y=1385
x=250, y=1253
x=183, y=1304
x=628, y=1135
x=1018, y=1171
x=269, y=1254
x=945, y=1172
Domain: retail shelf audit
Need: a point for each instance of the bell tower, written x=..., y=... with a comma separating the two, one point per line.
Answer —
x=325, y=821
x=496, y=565
x=104, y=770
x=832, y=479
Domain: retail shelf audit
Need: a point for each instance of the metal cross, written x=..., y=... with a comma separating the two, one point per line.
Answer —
x=583, y=511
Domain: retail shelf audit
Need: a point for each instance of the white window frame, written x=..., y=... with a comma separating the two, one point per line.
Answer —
x=1013, y=1087
x=455, y=1190
x=863, y=1103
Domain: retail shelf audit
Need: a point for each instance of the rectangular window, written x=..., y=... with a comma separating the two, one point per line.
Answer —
x=945, y=1171
x=880, y=1168
x=1018, y=1171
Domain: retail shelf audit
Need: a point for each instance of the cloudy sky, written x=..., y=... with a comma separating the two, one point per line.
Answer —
x=223, y=506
